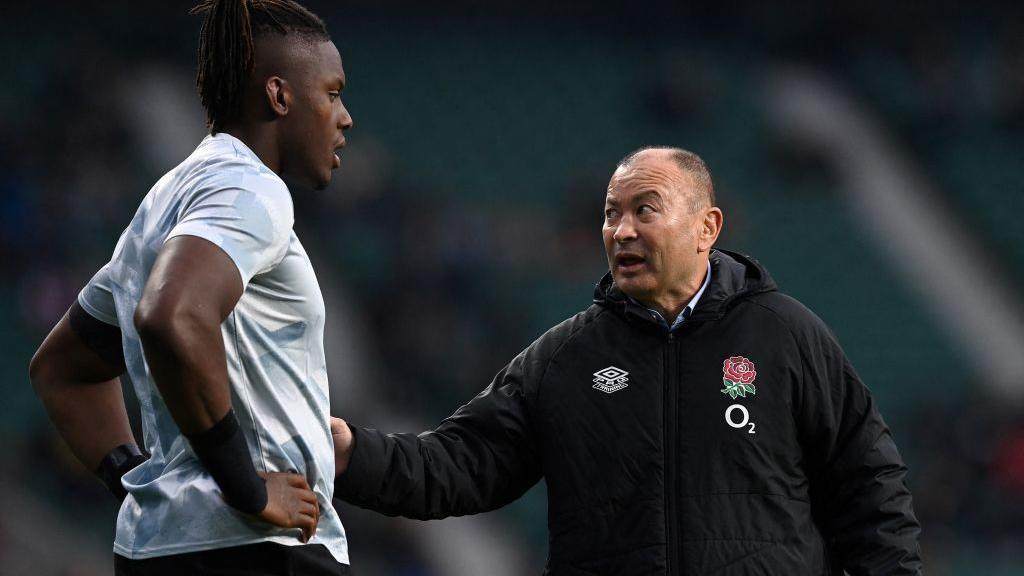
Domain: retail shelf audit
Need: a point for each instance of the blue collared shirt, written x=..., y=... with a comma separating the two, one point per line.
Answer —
x=690, y=306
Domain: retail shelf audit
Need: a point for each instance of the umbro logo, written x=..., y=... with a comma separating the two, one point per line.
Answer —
x=611, y=379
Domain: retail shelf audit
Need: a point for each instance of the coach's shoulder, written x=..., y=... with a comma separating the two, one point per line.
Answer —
x=797, y=318
x=552, y=342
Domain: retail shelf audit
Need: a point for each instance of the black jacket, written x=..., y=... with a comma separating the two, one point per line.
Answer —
x=664, y=475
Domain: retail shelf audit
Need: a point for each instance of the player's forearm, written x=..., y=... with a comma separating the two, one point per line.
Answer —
x=185, y=355
x=89, y=416
x=75, y=373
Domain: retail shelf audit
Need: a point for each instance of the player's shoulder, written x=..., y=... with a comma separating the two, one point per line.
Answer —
x=222, y=167
x=226, y=160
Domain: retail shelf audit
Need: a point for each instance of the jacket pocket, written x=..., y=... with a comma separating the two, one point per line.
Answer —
x=615, y=537
x=736, y=533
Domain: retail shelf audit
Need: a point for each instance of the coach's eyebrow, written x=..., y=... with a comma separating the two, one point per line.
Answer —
x=647, y=195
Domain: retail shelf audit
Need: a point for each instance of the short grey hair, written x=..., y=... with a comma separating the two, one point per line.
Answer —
x=689, y=163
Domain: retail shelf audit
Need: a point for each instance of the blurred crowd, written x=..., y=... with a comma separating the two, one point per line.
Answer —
x=456, y=233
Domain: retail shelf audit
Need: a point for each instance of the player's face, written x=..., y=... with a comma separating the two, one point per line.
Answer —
x=317, y=118
x=651, y=231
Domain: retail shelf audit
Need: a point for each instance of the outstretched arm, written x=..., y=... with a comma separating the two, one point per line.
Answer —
x=480, y=458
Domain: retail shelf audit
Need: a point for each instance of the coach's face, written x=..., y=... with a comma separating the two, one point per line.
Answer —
x=655, y=231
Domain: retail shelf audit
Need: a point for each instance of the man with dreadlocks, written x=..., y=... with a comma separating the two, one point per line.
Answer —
x=210, y=309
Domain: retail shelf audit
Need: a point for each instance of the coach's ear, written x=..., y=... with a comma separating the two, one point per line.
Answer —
x=711, y=227
x=278, y=95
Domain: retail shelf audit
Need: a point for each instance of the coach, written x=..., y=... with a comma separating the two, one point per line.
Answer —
x=693, y=420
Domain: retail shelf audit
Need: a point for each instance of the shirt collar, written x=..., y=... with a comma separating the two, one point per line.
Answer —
x=227, y=141
x=687, y=310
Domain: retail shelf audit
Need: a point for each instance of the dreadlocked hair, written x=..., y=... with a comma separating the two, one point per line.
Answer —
x=226, y=47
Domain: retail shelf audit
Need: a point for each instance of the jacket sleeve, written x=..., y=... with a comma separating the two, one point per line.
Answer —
x=480, y=458
x=858, y=489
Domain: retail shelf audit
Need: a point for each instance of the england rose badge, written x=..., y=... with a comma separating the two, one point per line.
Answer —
x=738, y=375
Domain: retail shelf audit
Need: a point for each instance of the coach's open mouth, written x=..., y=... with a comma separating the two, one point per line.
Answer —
x=629, y=261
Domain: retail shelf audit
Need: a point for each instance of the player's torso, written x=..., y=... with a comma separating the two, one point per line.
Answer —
x=276, y=364
x=273, y=342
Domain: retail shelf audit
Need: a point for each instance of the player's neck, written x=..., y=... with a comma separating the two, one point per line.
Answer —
x=261, y=141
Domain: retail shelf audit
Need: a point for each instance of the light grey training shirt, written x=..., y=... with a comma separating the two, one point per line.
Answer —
x=275, y=355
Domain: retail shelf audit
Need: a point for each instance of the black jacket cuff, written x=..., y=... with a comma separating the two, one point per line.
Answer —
x=365, y=472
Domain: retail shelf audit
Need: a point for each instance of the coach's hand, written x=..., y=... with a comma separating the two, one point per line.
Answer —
x=342, y=436
x=290, y=503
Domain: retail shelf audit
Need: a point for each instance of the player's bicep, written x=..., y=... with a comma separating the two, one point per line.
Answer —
x=193, y=277
x=80, y=348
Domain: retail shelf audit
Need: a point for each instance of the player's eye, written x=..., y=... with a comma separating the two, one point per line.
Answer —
x=610, y=213
x=334, y=95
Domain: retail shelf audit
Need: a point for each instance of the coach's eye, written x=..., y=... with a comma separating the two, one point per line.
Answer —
x=334, y=95
x=610, y=213
x=645, y=209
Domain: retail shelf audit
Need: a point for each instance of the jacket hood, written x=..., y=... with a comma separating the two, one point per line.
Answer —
x=734, y=276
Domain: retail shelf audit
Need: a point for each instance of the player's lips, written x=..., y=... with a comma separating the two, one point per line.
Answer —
x=629, y=262
x=337, y=149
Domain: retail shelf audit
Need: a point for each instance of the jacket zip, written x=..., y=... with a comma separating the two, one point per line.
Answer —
x=671, y=517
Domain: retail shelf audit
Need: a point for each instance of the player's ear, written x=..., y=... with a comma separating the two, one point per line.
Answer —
x=278, y=96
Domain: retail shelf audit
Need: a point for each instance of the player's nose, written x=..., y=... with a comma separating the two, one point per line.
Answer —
x=345, y=119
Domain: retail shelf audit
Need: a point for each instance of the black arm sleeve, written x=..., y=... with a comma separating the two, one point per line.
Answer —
x=480, y=458
x=102, y=338
x=224, y=453
x=858, y=487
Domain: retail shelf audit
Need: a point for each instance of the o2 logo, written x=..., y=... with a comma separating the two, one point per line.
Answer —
x=739, y=421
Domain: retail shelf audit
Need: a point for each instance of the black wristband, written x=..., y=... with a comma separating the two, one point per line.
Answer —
x=222, y=449
x=115, y=464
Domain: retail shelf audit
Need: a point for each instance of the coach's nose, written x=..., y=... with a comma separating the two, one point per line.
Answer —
x=625, y=231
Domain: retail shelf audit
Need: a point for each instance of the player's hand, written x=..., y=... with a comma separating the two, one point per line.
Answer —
x=342, y=445
x=290, y=503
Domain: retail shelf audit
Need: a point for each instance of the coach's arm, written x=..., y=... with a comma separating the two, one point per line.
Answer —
x=858, y=479
x=480, y=458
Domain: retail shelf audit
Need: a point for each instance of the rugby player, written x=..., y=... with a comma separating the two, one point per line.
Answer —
x=210, y=309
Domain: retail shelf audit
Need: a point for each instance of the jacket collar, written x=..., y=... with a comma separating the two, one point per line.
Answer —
x=734, y=276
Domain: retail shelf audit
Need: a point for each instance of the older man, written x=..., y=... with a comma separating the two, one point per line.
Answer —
x=693, y=420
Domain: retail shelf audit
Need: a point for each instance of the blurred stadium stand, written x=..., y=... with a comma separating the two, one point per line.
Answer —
x=465, y=221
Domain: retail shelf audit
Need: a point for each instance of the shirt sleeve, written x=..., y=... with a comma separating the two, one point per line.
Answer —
x=97, y=298
x=251, y=222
